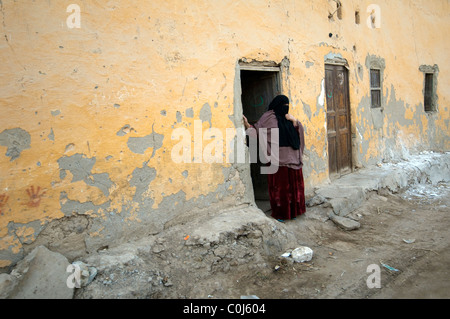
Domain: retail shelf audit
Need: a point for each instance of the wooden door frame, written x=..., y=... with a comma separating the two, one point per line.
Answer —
x=261, y=68
x=342, y=63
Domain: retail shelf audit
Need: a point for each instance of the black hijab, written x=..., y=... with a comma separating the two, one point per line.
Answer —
x=288, y=133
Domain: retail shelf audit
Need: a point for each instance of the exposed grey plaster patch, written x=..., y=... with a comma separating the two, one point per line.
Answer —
x=62, y=174
x=139, y=145
x=141, y=179
x=429, y=69
x=80, y=166
x=110, y=227
x=113, y=227
x=185, y=174
x=236, y=116
x=35, y=225
x=377, y=118
x=389, y=136
x=307, y=110
x=375, y=62
x=232, y=177
x=16, y=140
x=190, y=112
x=13, y=256
x=175, y=207
x=359, y=144
x=51, y=136
x=72, y=207
x=179, y=117
x=335, y=58
x=163, y=112
x=285, y=74
x=396, y=110
x=309, y=64
x=101, y=181
x=56, y=112
x=205, y=114
x=320, y=162
x=116, y=106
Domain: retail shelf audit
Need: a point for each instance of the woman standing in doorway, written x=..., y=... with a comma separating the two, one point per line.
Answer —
x=286, y=186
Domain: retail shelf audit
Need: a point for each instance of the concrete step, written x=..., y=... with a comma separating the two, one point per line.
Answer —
x=347, y=193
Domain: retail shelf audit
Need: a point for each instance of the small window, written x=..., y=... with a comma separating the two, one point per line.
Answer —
x=430, y=84
x=357, y=18
x=428, y=93
x=339, y=9
x=375, y=87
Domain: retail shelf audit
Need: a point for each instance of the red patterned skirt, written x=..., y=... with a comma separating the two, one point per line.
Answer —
x=287, y=193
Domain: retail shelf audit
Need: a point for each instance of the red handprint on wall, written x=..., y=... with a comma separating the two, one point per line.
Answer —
x=35, y=196
x=3, y=199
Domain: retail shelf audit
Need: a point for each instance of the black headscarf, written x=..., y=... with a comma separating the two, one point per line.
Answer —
x=288, y=133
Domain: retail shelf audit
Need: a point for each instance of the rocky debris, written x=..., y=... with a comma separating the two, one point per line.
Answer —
x=86, y=273
x=299, y=255
x=316, y=200
x=302, y=254
x=204, y=250
x=6, y=285
x=42, y=274
x=344, y=222
x=250, y=222
x=127, y=275
x=342, y=198
x=320, y=213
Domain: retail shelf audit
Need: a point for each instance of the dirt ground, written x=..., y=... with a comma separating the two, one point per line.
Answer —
x=407, y=231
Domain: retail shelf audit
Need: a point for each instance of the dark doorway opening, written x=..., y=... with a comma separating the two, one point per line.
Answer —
x=259, y=87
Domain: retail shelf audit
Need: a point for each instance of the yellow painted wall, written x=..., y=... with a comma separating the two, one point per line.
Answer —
x=87, y=113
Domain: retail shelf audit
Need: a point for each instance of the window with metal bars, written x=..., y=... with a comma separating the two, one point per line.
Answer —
x=375, y=87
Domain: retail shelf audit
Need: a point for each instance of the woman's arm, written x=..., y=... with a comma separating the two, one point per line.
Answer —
x=291, y=118
x=246, y=123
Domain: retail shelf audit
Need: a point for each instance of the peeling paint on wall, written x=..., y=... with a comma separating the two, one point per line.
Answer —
x=139, y=145
x=206, y=114
x=16, y=140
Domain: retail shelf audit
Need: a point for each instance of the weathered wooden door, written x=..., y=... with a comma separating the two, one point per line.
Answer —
x=338, y=120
